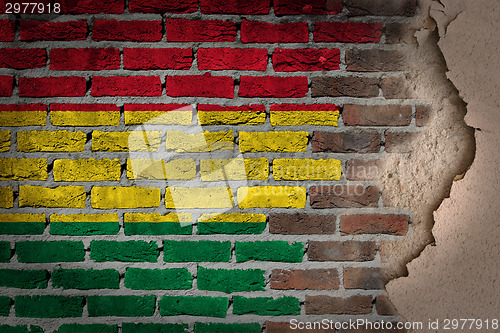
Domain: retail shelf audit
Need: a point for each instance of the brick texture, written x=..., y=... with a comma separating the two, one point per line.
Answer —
x=214, y=161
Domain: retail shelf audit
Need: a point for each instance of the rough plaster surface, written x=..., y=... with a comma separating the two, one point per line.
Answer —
x=457, y=277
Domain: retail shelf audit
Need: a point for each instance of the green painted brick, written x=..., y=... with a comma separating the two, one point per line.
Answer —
x=230, y=228
x=5, y=305
x=269, y=251
x=121, y=306
x=87, y=328
x=154, y=328
x=157, y=228
x=185, y=251
x=48, y=306
x=42, y=251
x=24, y=279
x=194, y=306
x=231, y=280
x=129, y=251
x=158, y=279
x=20, y=329
x=266, y=306
x=5, y=252
x=227, y=328
x=86, y=279
x=84, y=228
x=22, y=228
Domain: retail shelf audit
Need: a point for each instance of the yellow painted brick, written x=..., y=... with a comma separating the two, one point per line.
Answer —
x=257, y=168
x=30, y=141
x=199, y=142
x=4, y=140
x=59, y=197
x=231, y=117
x=85, y=118
x=286, y=141
x=23, y=118
x=179, y=169
x=23, y=169
x=158, y=117
x=198, y=197
x=294, y=118
x=272, y=197
x=6, y=197
x=145, y=141
x=87, y=170
x=22, y=218
x=157, y=217
x=234, y=169
x=306, y=169
x=109, y=197
x=233, y=217
x=106, y=217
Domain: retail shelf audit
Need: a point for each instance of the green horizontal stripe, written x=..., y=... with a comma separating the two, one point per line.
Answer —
x=158, y=228
x=22, y=228
x=84, y=228
x=231, y=228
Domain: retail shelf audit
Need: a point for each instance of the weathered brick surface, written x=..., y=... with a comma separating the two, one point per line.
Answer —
x=341, y=251
x=320, y=279
x=346, y=142
x=213, y=161
x=377, y=115
x=345, y=86
x=300, y=224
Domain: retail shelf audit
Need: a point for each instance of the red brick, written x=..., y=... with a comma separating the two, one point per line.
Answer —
x=236, y=59
x=162, y=6
x=316, y=279
x=363, y=170
x=341, y=251
x=301, y=224
x=242, y=7
x=23, y=107
x=84, y=59
x=54, y=31
x=345, y=86
x=422, y=115
x=354, y=305
x=6, y=84
x=200, y=86
x=273, y=86
x=346, y=142
x=381, y=7
x=363, y=278
x=151, y=59
x=181, y=30
x=377, y=115
x=347, y=32
x=393, y=87
x=384, y=306
x=127, y=31
x=343, y=196
x=64, y=86
x=263, y=32
x=289, y=60
x=391, y=224
x=145, y=86
x=7, y=30
x=92, y=6
x=373, y=60
x=18, y=58
x=400, y=142
x=300, y=7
